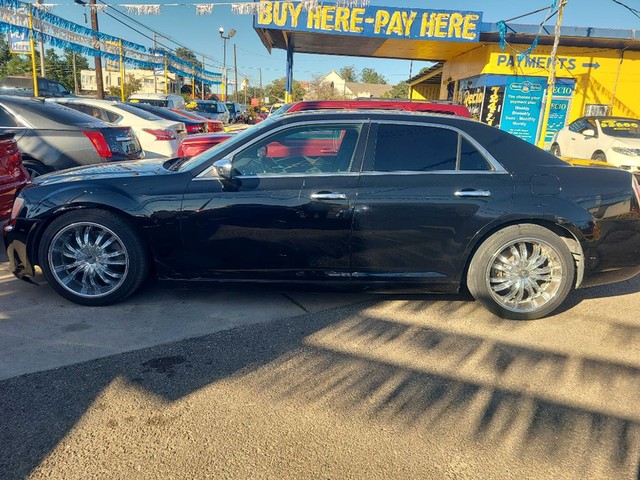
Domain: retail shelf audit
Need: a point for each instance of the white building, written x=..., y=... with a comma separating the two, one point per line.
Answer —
x=150, y=83
x=355, y=89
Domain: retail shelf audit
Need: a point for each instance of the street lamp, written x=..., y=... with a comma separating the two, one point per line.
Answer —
x=224, y=38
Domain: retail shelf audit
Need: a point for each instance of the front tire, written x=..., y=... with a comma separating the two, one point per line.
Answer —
x=522, y=272
x=93, y=257
x=599, y=156
x=555, y=150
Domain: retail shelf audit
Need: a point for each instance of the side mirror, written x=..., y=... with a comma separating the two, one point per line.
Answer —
x=223, y=168
x=589, y=132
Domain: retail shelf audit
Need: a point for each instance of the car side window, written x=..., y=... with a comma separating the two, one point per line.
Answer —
x=312, y=149
x=470, y=158
x=111, y=117
x=6, y=120
x=415, y=148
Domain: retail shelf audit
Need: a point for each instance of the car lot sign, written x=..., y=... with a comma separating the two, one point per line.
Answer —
x=372, y=21
x=19, y=42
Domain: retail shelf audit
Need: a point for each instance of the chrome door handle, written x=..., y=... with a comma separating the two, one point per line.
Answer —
x=328, y=196
x=472, y=193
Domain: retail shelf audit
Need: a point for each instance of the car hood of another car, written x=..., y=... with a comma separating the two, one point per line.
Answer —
x=625, y=142
x=137, y=168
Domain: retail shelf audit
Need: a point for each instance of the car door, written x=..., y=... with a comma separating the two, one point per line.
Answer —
x=581, y=145
x=424, y=193
x=286, y=210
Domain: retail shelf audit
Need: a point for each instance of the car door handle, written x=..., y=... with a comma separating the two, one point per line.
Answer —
x=472, y=193
x=328, y=196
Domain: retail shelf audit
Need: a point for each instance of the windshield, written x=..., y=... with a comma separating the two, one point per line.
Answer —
x=207, y=107
x=232, y=142
x=621, y=127
x=148, y=101
x=283, y=109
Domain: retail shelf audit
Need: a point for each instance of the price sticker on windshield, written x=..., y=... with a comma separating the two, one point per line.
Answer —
x=619, y=124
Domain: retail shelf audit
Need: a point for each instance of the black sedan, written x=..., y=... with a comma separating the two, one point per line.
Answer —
x=379, y=200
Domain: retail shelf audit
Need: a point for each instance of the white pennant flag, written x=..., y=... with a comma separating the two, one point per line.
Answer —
x=204, y=8
x=143, y=9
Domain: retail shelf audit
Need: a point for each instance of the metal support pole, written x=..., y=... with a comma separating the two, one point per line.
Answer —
x=166, y=76
x=43, y=71
x=224, y=70
x=75, y=73
x=202, y=85
x=552, y=75
x=121, y=72
x=288, y=94
x=193, y=82
x=32, y=47
x=235, y=67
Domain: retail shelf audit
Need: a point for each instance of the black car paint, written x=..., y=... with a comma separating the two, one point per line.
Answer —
x=269, y=229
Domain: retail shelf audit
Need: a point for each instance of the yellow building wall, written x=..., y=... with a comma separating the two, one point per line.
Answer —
x=593, y=85
x=425, y=91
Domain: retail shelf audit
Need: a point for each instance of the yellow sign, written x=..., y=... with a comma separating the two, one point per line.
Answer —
x=385, y=22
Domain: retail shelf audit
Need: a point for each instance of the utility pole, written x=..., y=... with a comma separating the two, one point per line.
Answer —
x=552, y=74
x=155, y=77
x=235, y=67
x=260, y=100
x=75, y=75
x=225, y=79
x=43, y=72
x=97, y=60
x=202, y=86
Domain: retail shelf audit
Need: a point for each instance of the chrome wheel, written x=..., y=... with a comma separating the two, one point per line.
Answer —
x=88, y=259
x=524, y=275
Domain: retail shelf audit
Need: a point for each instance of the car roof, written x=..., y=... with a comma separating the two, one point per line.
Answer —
x=372, y=113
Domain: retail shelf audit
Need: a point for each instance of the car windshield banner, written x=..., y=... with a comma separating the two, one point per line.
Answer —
x=372, y=21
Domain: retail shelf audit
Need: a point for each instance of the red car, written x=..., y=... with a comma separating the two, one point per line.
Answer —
x=212, y=125
x=442, y=107
x=13, y=176
x=196, y=144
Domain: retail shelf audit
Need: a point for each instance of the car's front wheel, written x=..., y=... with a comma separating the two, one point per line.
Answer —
x=92, y=257
x=522, y=272
x=555, y=150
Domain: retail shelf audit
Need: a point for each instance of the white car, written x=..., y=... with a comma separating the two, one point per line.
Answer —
x=158, y=137
x=615, y=140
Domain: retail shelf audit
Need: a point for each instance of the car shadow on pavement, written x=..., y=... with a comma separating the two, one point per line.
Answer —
x=441, y=367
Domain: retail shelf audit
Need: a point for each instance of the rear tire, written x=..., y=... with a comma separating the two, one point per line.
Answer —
x=555, y=150
x=522, y=272
x=34, y=168
x=93, y=257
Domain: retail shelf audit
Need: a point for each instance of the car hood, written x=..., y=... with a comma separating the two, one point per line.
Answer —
x=136, y=168
x=626, y=142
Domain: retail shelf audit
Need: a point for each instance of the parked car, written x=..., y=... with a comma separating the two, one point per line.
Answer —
x=159, y=137
x=210, y=109
x=615, y=140
x=212, y=125
x=13, y=176
x=442, y=107
x=192, y=125
x=370, y=199
x=196, y=144
x=158, y=99
x=237, y=112
x=23, y=86
x=51, y=136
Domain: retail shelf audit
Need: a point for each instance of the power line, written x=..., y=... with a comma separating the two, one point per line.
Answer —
x=631, y=9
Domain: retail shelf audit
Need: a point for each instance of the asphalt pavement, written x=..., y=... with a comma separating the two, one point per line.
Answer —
x=245, y=384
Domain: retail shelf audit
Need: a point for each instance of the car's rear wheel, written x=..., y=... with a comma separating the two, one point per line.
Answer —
x=522, y=272
x=93, y=257
x=555, y=150
x=34, y=168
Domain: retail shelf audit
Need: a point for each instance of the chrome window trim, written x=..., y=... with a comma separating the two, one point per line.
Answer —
x=209, y=173
x=435, y=172
x=495, y=165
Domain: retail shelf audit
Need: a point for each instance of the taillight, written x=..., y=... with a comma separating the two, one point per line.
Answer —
x=160, y=134
x=100, y=143
x=193, y=128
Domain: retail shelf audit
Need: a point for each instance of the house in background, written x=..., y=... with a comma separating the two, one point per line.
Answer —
x=350, y=90
x=150, y=83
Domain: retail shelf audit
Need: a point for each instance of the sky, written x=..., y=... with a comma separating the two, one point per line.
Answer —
x=200, y=32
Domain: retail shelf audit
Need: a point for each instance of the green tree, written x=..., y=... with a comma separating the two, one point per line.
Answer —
x=275, y=90
x=348, y=73
x=369, y=75
x=399, y=90
x=131, y=86
x=188, y=56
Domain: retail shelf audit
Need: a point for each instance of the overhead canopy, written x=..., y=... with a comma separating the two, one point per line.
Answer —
x=403, y=33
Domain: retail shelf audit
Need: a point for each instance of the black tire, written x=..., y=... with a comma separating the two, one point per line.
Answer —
x=128, y=275
x=555, y=150
x=495, y=272
x=34, y=168
x=601, y=157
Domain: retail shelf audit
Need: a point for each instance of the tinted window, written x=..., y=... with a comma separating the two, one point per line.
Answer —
x=471, y=158
x=308, y=150
x=415, y=148
x=52, y=115
x=582, y=124
x=7, y=120
x=621, y=127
